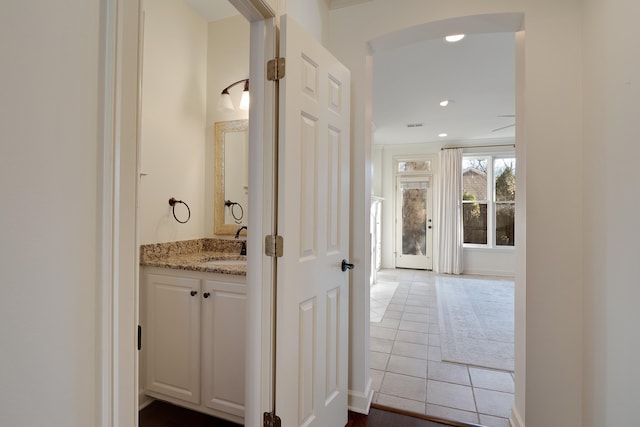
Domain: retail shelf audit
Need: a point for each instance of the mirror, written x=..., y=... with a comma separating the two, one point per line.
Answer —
x=231, y=177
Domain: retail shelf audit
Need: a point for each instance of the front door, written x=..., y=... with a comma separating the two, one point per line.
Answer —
x=313, y=219
x=414, y=222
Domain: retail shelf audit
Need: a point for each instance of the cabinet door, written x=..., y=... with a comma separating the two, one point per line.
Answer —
x=223, y=340
x=173, y=336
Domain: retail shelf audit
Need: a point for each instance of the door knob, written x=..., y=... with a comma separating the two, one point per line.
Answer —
x=206, y=294
x=193, y=293
x=346, y=266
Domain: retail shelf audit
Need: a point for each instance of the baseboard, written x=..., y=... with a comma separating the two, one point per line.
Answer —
x=143, y=400
x=515, y=420
x=361, y=402
x=496, y=273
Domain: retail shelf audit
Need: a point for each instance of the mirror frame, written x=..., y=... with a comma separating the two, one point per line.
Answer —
x=221, y=129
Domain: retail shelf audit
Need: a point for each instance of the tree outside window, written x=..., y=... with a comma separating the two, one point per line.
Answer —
x=488, y=208
x=505, y=191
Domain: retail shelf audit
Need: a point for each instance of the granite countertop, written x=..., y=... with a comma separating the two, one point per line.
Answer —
x=207, y=255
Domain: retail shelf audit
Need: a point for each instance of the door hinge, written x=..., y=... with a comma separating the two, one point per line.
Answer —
x=139, y=337
x=275, y=69
x=273, y=245
x=272, y=420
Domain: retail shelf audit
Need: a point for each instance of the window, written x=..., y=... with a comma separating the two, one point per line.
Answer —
x=488, y=200
x=413, y=166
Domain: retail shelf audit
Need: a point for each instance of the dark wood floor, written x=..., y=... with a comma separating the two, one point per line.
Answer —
x=161, y=414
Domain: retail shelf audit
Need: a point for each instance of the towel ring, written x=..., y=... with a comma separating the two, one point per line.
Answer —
x=172, y=202
x=237, y=216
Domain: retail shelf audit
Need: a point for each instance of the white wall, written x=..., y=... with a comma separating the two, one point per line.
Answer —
x=554, y=246
x=227, y=62
x=553, y=280
x=610, y=209
x=187, y=63
x=49, y=156
x=312, y=15
x=173, y=115
x=489, y=262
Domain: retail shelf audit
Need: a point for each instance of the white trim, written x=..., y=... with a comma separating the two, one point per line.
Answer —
x=254, y=10
x=474, y=247
x=337, y=4
x=104, y=303
x=361, y=402
x=489, y=272
x=117, y=298
x=516, y=420
x=144, y=400
x=258, y=387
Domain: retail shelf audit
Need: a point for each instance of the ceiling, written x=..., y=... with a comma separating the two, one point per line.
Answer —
x=411, y=77
x=476, y=74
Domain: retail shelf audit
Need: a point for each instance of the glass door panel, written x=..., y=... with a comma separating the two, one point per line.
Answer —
x=414, y=224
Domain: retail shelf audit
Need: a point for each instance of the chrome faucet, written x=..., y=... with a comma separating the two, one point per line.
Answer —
x=243, y=250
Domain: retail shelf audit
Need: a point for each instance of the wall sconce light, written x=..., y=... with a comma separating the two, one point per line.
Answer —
x=225, y=102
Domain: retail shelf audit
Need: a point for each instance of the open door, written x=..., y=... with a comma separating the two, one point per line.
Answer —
x=313, y=220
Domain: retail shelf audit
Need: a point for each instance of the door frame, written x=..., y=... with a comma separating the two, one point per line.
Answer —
x=117, y=297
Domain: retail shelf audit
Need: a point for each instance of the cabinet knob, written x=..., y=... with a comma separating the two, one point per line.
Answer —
x=206, y=294
x=194, y=293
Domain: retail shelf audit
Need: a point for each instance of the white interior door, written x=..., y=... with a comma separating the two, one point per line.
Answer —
x=414, y=222
x=313, y=219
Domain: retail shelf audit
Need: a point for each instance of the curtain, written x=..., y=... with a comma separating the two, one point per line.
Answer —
x=450, y=235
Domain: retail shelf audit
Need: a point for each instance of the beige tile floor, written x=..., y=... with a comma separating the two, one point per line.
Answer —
x=406, y=366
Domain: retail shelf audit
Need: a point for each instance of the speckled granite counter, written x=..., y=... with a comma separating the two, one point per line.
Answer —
x=207, y=255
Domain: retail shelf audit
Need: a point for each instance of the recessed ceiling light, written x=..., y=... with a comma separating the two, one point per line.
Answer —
x=454, y=38
x=444, y=103
x=442, y=135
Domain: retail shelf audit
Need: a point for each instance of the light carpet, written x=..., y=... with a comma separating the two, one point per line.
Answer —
x=476, y=321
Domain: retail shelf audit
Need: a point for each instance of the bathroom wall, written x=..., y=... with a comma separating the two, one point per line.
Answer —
x=227, y=62
x=173, y=114
x=186, y=64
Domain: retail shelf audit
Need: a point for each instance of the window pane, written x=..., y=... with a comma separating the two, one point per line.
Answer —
x=474, y=217
x=415, y=166
x=414, y=218
x=505, y=216
x=504, y=170
x=474, y=179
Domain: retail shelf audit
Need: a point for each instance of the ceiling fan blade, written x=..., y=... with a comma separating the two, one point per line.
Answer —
x=503, y=127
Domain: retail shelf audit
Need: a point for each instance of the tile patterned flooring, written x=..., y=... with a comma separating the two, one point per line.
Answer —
x=406, y=366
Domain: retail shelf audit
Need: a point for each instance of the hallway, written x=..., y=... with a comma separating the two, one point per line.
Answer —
x=407, y=365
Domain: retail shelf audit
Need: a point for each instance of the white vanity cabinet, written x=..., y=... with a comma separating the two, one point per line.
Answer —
x=223, y=346
x=171, y=334
x=193, y=326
